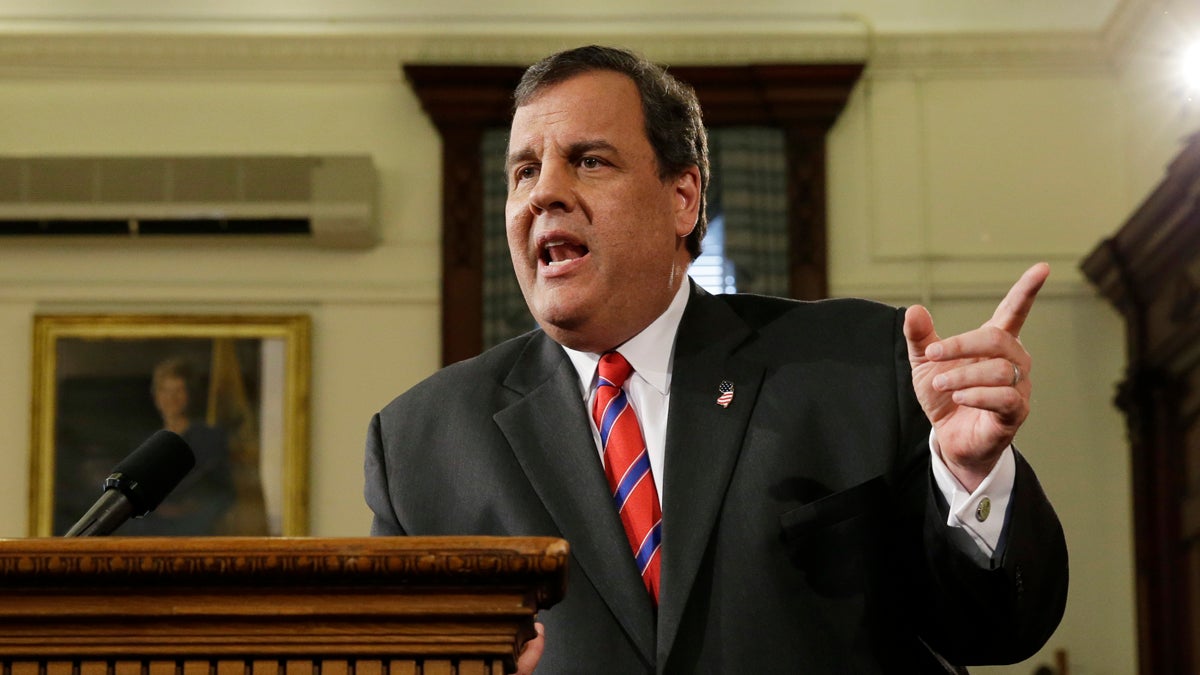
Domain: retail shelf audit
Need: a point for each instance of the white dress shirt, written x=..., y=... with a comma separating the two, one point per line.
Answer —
x=980, y=513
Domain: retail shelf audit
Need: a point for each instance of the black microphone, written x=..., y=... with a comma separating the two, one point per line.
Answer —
x=137, y=484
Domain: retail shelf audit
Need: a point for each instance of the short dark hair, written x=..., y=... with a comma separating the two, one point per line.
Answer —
x=171, y=368
x=674, y=125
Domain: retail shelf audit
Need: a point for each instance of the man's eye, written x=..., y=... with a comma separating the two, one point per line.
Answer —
x=526, y=172
x=590, y=163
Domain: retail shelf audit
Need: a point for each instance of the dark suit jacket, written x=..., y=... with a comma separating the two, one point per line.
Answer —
x=802, y=531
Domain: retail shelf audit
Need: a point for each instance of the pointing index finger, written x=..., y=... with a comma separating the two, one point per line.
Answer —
x=1012, y=311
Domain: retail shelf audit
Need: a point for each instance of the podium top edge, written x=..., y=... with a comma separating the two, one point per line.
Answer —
x=535, y=563
x=251, y=545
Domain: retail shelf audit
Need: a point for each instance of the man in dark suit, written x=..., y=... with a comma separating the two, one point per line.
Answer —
x=792, y=511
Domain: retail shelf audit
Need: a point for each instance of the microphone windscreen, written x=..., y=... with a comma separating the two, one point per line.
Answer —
x=151, y=471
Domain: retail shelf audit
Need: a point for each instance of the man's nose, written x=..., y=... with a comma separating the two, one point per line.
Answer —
x=554, y=190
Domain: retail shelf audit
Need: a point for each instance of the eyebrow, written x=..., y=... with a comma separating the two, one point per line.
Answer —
x=574, y=151
x=518, y=157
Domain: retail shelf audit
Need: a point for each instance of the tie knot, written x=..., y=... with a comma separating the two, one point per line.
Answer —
x=614, y=369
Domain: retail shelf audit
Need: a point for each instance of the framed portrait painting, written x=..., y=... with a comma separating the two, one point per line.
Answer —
x=235, y=388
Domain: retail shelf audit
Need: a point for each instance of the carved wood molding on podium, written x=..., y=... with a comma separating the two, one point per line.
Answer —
x=251, y=606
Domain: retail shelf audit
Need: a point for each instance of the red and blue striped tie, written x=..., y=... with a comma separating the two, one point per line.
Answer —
x=627, y=467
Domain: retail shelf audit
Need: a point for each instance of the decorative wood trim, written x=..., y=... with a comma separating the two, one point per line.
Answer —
x=230, y=602
x=1152, y=249
x=463, y=101
x=808, y=238
x=1145, y=270
x=282, y=561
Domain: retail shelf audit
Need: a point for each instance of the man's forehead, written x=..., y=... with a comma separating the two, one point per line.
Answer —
x=587, y=107
x=597, y=81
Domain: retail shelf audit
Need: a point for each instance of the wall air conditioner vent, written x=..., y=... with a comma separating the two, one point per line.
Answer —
x=328, y=200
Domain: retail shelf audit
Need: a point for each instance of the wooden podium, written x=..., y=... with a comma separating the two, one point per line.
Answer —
x=272, y=606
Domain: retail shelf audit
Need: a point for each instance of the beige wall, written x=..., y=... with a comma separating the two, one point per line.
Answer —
x=375, y=313
x=945, y=182
x=944, y=187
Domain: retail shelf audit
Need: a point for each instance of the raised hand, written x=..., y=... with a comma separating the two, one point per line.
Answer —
x=975, y=387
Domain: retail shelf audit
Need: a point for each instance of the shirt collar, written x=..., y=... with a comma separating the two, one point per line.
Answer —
x=650, y=352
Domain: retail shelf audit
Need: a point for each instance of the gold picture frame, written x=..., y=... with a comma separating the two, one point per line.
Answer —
x=237, y=386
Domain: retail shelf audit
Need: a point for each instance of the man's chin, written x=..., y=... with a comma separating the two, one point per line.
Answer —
x=567, y=329
x=555, y=324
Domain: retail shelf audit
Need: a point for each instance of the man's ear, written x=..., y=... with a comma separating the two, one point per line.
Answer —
x=687, y=200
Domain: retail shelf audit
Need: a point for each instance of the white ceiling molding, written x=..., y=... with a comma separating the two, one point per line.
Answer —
x=1151, y=30
x=234, y=54
x=1125, y=24
x=370, y=57
x=988, y=54
x=623, y=16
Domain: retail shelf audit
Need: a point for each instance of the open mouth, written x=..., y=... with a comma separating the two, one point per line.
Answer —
x=560, y=252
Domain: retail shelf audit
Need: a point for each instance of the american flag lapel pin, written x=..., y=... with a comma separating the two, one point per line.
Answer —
x=726, y=394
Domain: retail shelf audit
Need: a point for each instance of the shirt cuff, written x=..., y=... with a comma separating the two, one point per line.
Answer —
x=981, y=513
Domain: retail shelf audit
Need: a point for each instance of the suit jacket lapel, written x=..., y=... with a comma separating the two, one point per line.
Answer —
x=703, y=442
x=551, y=436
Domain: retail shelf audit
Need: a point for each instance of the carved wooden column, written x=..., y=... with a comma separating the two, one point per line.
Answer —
x=463, y=102
x=1150, y=270
x=808, y=235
